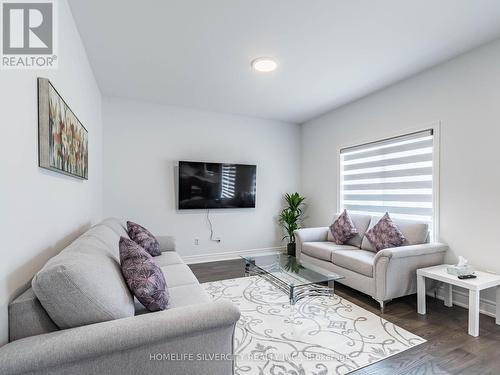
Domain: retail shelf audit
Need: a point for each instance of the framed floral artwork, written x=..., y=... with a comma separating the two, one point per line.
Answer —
x=62, y=139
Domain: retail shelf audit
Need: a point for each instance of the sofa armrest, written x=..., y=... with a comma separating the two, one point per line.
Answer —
x=126, y=342
x=167, y=243
x=309, y=235
x=412, y=250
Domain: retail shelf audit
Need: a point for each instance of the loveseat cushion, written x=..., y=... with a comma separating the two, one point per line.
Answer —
x=359, y=261
x=323, y=250
x=361, y=222
x=83, y=285
x=415, y=232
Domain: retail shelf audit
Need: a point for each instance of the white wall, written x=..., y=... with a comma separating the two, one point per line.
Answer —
x=42, y=211
x=144, y=141
x=464, y=94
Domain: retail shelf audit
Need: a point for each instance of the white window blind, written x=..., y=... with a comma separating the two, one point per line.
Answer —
x=393, y=175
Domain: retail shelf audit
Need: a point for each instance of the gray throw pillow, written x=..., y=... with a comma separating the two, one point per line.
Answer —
x=144, y=278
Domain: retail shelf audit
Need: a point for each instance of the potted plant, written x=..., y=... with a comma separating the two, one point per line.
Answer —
x=289, y=218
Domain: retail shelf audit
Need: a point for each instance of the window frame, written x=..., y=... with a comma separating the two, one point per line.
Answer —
x=436, y=127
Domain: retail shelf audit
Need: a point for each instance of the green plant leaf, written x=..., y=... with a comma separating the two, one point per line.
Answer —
x=290, y=216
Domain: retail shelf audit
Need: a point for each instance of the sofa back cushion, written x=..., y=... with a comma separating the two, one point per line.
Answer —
x=84, y=284
x=102, y=237
x=415, y=232
x=116, y=225
x=361, y=222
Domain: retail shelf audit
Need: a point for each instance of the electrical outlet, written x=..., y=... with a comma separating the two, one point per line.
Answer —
x=196, y=241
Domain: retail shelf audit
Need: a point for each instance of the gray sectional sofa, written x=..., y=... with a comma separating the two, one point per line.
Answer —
x=80, y=318
x=384, y=275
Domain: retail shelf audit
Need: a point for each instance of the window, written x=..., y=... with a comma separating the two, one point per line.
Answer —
x=394, y=175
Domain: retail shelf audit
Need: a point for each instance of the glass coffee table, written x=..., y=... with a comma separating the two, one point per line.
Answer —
x=295, y=278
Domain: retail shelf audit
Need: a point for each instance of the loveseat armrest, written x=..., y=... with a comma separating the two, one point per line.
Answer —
x=302, y=235
x=412, y=250
x=129, y=345
x=167, y=243
x=395, y=269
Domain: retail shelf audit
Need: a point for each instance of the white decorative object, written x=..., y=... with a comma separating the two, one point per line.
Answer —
x=460, y=269
x=483, y=280
x=317, y=335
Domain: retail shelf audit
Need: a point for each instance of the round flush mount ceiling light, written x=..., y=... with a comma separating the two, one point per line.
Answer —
x=264, y=64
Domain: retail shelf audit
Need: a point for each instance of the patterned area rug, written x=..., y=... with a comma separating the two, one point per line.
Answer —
x=319, y=335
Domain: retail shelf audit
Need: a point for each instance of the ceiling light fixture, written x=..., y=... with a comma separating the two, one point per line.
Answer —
x=264, y=64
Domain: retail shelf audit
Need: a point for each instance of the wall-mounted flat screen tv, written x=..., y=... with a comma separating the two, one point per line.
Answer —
x=216, y=185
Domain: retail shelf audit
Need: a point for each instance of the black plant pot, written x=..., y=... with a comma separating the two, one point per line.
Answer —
x=290, y=248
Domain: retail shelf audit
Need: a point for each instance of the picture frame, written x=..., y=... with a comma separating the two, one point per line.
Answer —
x=62, y=138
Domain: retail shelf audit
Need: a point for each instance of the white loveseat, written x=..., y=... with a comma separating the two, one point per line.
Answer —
x=384, y=275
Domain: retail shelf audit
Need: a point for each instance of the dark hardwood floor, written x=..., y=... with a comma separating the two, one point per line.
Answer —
x=448, y=350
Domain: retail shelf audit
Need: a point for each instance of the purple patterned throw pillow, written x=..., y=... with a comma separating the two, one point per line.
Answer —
x=385, y=234
x=343, y=229
x=143, y=238
x=144, y=278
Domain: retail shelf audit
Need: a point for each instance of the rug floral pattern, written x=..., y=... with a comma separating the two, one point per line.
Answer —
x=318, y=336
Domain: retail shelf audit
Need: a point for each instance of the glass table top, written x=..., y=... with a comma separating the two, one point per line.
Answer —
x=289, y=270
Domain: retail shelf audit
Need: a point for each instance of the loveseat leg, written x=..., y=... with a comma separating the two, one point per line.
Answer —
x=382, y=305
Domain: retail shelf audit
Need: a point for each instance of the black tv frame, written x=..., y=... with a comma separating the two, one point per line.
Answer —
x=210, y=207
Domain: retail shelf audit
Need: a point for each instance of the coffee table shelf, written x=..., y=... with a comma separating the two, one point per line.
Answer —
x=295, y=278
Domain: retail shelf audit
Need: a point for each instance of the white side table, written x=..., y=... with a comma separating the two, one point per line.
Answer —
x=484, y=280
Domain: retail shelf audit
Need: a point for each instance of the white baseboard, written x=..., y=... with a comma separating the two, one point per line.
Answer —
x=461, y=298
x=214, y=257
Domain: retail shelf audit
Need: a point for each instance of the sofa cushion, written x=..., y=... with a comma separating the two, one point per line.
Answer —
x=107, y=236
x=184, y=295
x=343, y=229
x=117, y=225
x=190, y=294
x=83, y=285
x=359, y=261
x=178, y=274
x=144, y=278
x=415, y=232
x=168, y=258
x=324, y=250
x=143, y=238
x=361, y=222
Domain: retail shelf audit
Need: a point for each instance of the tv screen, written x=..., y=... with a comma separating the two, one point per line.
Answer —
x=216, y=185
